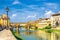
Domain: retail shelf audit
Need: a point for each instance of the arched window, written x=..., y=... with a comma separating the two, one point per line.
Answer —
x=57, y=24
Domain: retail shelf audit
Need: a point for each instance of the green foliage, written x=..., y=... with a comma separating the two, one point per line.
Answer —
x=49, y=31
x=18, y=38
x=48, y=27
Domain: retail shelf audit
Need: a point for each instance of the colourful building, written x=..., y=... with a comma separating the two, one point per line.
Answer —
x=41, y=23
x=3, y=20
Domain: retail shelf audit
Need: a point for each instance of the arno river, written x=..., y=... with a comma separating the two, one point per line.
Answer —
x=38, y=35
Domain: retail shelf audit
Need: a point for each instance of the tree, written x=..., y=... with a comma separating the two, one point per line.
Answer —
x=48, y=27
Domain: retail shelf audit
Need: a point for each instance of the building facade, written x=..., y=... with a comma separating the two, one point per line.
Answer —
x=55, y=19
x=3, y=20
x=41, y=23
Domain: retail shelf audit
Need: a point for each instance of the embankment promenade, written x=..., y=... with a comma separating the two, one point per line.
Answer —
x=6, y=35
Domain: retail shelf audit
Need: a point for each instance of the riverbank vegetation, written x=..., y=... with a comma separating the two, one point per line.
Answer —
x=49, y=29
x=16, y=36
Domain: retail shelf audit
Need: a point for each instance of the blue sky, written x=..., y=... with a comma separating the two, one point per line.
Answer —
x=26, y=10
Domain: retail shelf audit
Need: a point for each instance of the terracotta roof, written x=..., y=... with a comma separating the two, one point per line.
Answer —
x=56, y=14
x=46, y=18
x=5, y=18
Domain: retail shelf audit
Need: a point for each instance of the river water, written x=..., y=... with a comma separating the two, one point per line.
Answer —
x=38, y=35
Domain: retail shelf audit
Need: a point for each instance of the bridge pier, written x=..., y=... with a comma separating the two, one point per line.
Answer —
x=17, y=30
x=27, y=27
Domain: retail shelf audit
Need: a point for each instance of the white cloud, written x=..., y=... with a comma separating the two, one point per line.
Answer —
x=36, y=7
x=48, y=13
x=13, y=15
x=31, y=16
x=52, y=5
x=42, y=8
x=16, y=2
x=33, y=6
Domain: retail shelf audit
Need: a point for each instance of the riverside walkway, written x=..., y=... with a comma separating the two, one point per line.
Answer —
x=6, y=35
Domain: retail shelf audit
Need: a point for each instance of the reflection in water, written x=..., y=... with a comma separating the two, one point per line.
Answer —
x=56, y=36
x=38, y=35
x=28, y=33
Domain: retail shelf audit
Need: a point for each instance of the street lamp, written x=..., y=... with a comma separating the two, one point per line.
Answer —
x=7, y=9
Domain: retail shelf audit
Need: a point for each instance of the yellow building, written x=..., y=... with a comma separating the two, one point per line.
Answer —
x=41, y=23
x=3, y=20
